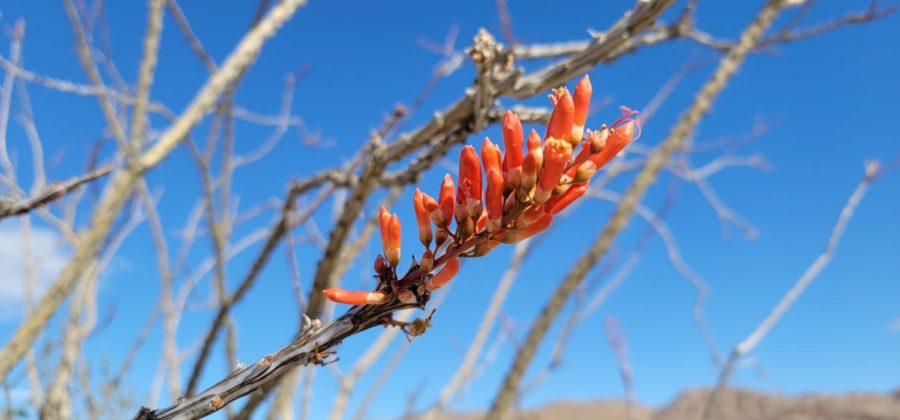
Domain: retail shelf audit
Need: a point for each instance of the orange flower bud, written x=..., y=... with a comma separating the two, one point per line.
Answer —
x=446, y=202
x=582, y=101
x=562, y=118
x=465, y=225
x=444, y=276
x=556, y=154
x=392, y=240
x=516, y=235
x=486, y=246
x=469, y=193
x=494, y=200
x=427, y=263
x=422, y=218
x=490, y=155
x=512, y=141
x=384, y=221
x=440, y=237
x=560, y=202
x=348, y=297
x=381, y=266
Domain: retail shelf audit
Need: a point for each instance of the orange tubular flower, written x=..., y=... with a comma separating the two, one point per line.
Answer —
x=499, y=197
x=422, y=218
x=582, y=100
x=615, y=142
x=538, y=226
x=384, y=221
x=441, y=216
x=562, y=118
x=469, y=194
x=556, y=154
x=493, y=199
x=444, y=276
x=560, y=202
x=512, y=144
x=356, y=298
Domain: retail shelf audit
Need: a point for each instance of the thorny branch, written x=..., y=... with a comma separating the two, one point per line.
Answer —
x=469, y=115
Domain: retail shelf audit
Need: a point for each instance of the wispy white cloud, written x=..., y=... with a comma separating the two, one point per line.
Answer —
x=49, y=253
x=895, y=326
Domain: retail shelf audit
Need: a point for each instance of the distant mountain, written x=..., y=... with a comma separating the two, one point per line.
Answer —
x=732, y=404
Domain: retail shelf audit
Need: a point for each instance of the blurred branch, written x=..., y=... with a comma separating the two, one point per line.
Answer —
x=789, y=34
x=146, y=71
x=123, y=182
x=635, y=192
x=748, y=344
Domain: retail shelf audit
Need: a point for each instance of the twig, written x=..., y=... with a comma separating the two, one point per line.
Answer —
x=363, y=364
x=274, y=237
x=750, y=343
x=185, y=27
x=84, y=54
x=616, y=340
x=10, y=207
x=170, y=339
x=465, y=369
x=659, y=158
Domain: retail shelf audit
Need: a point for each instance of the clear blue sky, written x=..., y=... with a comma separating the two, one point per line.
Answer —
x=831, y=103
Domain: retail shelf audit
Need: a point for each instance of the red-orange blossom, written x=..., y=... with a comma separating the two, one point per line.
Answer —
x=525, y=188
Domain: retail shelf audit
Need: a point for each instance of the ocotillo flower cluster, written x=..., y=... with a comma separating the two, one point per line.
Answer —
x=499, y=198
